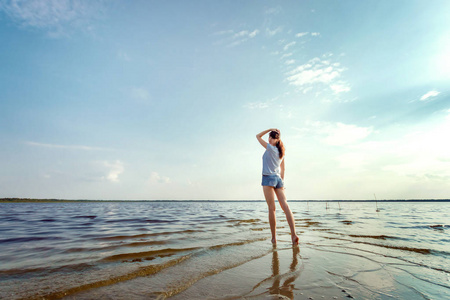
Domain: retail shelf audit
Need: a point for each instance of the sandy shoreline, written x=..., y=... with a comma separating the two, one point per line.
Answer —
x=282, y=272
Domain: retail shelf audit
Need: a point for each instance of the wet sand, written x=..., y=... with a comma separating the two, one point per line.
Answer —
x=309, y=271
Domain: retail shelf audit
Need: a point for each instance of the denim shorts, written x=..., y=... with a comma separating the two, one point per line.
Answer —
x=272, y=180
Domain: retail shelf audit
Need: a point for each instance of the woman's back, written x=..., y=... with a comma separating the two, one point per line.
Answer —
x=271, y=161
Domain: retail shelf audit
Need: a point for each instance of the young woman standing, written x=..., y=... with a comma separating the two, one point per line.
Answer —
x=272, y=180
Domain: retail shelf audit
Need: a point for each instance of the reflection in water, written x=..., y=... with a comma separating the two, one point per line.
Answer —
x=287, y=287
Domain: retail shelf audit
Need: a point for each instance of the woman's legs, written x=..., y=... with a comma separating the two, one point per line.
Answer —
x=269, y=194
x=287, y=211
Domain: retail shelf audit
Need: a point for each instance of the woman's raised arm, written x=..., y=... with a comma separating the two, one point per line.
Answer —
x=261, y=134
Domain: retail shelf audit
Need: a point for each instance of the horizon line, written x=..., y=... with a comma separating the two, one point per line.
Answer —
x=15, y=199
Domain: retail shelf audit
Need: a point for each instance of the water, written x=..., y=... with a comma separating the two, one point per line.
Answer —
x=163, y=249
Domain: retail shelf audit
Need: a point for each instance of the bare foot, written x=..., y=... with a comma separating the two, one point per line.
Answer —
x=274, y=241
x=295, y=240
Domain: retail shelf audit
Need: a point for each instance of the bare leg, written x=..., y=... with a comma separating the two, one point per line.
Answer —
x=270, y=199
x=287, y=211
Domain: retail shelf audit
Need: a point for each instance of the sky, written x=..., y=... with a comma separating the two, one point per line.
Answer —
x=161, y=100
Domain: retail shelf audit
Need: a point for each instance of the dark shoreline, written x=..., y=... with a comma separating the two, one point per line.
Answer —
x=31, y=200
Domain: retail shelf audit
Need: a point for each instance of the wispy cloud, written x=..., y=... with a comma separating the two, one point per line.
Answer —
x=430, y=94
x=260, y=104
x=233, y=39
x=301, y=34
x=155, y=177
x=317, y=71
x=114, y=170
x=340, y=87
x=272, y=32
x=286, y=55
x=224, y=32
x=93, y=171
x=273, y=10
x=256, y=105
x=287, y=46
x=242, y=37
x=68, y=147
x=53, y=16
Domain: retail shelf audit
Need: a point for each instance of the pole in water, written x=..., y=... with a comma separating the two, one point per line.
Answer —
x=376, y=202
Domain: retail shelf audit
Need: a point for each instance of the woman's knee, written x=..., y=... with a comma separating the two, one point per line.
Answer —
x=272, y=207
x=285, y=207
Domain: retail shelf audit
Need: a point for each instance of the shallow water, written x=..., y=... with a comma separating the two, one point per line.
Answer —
x=164, y=249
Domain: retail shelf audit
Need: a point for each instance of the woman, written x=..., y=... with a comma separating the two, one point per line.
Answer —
x=272, y=181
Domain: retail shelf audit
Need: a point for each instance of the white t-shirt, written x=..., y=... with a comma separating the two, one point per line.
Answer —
x=271, y=161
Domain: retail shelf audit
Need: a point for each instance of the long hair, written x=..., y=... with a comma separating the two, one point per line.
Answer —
x=280, y=146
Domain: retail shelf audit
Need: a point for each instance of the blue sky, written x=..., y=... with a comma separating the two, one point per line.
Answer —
x=163, y=99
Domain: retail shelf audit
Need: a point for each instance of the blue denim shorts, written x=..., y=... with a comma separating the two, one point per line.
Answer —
x=272, y=180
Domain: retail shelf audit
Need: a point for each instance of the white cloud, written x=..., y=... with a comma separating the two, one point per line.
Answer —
x=253, y=33
x=224, y=32
x=84, y=171
x=301, y=34
x=241, y=34
x=233, y=39
x=288, y=115
x=428, y=95
x=115, y=169
x=51, y=15
x=69, y=147
x=290, y=62
x=156, y=178
x=316, y=72
x=287, y=46
x=274, y=31
x=307, y=90
x=261, y=104
x=286, y=55
x=339, y=88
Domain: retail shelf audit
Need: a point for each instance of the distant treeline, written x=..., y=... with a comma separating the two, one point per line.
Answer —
x=3, y=200
x=9, y=200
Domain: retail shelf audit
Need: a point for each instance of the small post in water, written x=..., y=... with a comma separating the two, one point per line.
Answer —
x=376, y=202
